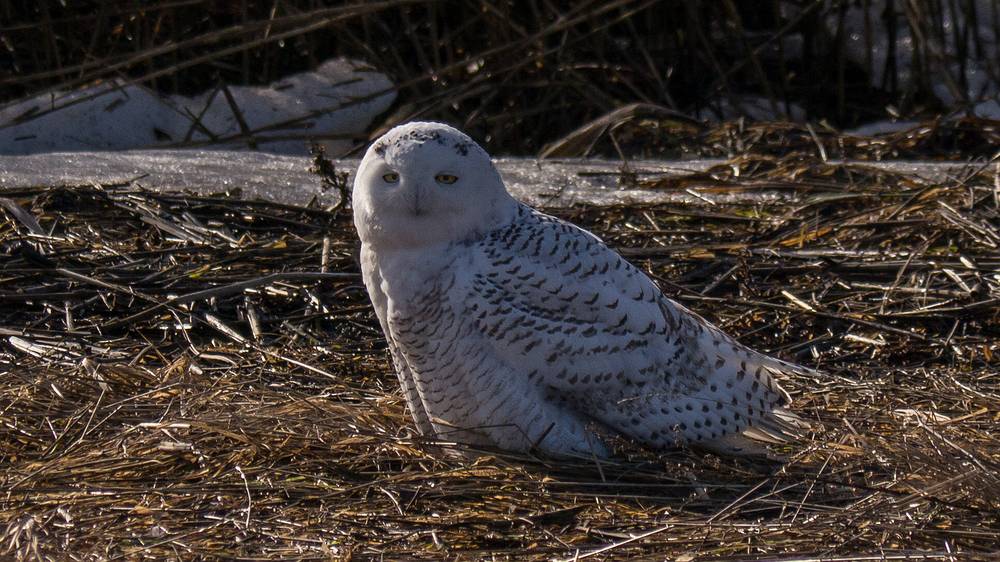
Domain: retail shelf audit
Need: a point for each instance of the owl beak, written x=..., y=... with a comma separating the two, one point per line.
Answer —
x=418, y=208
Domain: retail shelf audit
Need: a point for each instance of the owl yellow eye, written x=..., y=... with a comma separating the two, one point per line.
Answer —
x=446, y=178
x=391, y=177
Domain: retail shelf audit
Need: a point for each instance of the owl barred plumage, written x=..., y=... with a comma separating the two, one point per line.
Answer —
x=509, y=328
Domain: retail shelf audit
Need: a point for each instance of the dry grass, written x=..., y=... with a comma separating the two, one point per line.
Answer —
x=163, y=396
x=649, y=132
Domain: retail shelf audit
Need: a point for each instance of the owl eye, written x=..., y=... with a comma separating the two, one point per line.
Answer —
x=391, y=177
x=446, y=178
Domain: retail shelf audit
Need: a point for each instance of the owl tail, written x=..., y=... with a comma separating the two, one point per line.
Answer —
x=775, y=426
x=780, y=427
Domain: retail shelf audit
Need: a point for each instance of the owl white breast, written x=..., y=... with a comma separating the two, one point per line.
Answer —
x=509, y=328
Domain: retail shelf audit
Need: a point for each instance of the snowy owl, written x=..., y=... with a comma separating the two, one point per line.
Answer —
x=513, y=329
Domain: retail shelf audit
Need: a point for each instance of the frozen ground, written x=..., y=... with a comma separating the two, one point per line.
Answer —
x=334, y=104
x=287, y=179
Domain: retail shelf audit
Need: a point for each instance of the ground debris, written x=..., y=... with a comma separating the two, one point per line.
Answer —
x=178, y=379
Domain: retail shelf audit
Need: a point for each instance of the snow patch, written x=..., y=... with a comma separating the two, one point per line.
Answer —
x=332, y=104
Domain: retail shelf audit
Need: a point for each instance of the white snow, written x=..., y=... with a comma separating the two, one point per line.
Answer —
x=333, y=104
x=554, y=183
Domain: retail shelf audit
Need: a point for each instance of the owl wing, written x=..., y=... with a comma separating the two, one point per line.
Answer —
x=562, y=310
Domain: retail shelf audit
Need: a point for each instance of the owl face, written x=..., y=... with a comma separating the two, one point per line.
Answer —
x=427, y=183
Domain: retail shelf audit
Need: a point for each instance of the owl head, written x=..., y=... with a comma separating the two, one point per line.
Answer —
x=427, y=183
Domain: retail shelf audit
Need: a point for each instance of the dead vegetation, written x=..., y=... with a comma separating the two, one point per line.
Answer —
x=203, y=377
x=650, y=132
x=520, y=74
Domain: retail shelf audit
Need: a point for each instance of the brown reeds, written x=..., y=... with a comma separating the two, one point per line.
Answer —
x=179, y=380
x=654, y=132
x=518, y=75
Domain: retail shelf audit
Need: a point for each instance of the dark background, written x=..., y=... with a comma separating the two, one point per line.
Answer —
x=517, y=75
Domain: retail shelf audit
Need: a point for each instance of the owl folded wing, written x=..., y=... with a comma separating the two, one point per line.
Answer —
x=561, y=309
